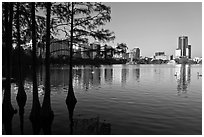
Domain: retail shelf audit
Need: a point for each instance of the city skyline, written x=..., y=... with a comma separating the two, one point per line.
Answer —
x=156, y=26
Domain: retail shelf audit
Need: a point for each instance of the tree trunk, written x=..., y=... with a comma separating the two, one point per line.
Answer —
x=21, y=95
x=35, y=111
x=71, y=45
x=71, y=99
x=47, y=114
x=7, y=108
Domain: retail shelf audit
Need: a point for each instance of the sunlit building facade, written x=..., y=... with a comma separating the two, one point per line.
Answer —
x=183, y=50
x=134, y=54
x=59, y=48
x=160, y=56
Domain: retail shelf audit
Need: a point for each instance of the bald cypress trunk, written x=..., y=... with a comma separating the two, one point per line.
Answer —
x=35, y=111
x=71, y=99
x=7, y=108
x=47, y=114
x=21, y=95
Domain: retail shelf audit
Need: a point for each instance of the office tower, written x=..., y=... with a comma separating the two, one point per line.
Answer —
x=136, y=53
x=189, y=51
x=178, y=53
x=183, y=44
x=171, y=57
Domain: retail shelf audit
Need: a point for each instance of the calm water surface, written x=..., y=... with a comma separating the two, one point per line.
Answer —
x=126, y=99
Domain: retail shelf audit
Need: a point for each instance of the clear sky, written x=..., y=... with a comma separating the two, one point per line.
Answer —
x=156, y=26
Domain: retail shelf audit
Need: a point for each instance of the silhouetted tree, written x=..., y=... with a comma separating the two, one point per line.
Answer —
x=25, y=22
x=35, y=111
x=71, y=99
x=21, y=95
x=89, y=17
x=47, y=114
x=7, y=108
x=105, y=51
x=122, y=48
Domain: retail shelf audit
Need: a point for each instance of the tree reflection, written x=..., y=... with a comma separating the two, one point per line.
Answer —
x=71, y=102
x=21, y=100
x=7, y=110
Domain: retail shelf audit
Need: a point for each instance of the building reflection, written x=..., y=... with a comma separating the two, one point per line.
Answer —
x=59, y=76
x=108, y=75
x=136, y=74
x=87, y=78
x=97, y=76
x=77, y=76
x=84, y=77
x=124, y=74
x=183, y=76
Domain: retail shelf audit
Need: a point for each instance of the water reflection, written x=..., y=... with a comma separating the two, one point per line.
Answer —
x=46, y=113
x=124, y=74
x=71, y=100
x=83, y=77
x=36, y=107
x=87, y=77
x=7, y=109
x=108, y=74
x=21, y=100
x=59, y=76
x=183, y=76
x=97, y=76
x=77, y=76
x=91, y=126
x=136, y=74
x=90, y=119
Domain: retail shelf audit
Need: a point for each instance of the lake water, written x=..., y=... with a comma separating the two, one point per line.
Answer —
x=121, y=99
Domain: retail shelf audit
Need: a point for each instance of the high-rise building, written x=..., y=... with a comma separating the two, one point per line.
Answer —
x=183, y=44
x=135, y=54
x=189, y=51
x=178, y=53
x=59, y=48
x=183, y=50
x=171, y=57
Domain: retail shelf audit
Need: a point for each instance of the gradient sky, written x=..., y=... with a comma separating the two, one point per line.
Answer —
x=156, y=26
